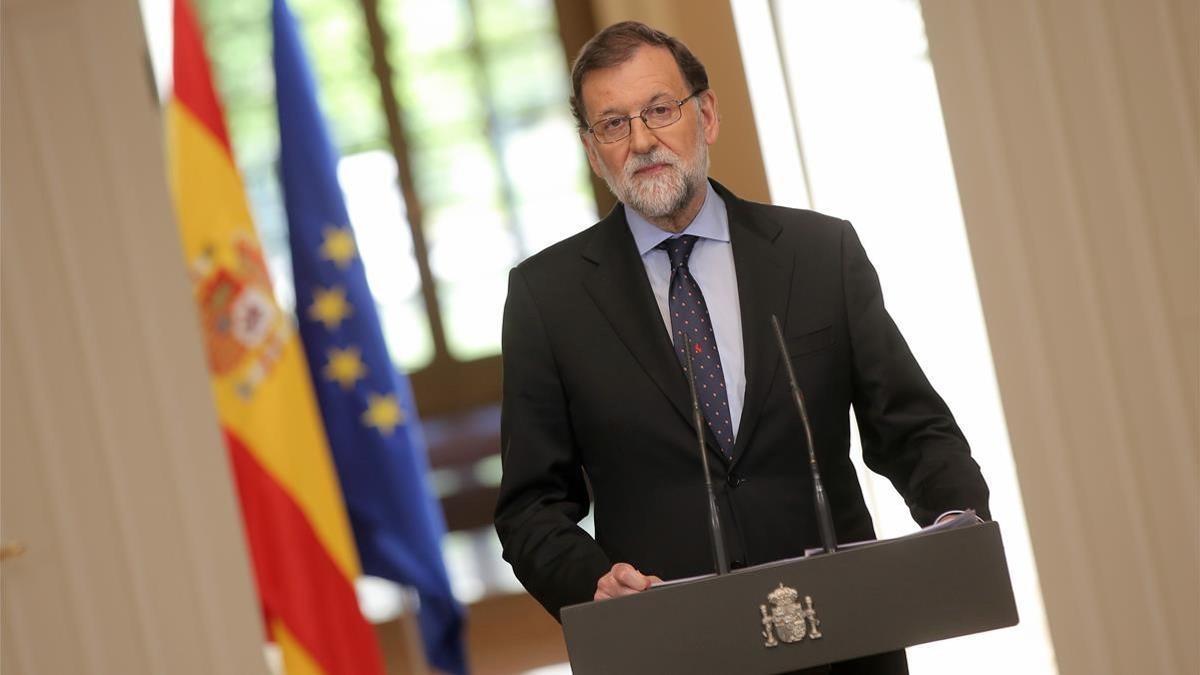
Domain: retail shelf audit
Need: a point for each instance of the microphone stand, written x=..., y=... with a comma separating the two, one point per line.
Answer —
x=824, y=515
x=714, y=522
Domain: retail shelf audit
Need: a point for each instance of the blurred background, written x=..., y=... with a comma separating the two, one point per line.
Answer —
x=1028, y=168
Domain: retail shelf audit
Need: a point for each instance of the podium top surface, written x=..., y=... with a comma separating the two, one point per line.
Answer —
x=879, y=597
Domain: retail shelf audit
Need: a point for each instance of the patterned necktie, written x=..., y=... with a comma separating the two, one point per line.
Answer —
x=689, y=314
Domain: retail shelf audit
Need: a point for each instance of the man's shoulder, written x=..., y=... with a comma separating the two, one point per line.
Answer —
x=794, y=224
x=800, y=226
x=795, y=217
x=565, y=256
x=771, y=218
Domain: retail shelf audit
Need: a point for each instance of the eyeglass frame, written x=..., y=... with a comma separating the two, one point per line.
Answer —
x=677, y=102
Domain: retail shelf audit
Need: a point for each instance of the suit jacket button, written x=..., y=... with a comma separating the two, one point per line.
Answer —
x=734, y=481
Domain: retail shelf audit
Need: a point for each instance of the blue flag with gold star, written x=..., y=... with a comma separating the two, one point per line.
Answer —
x=366, y=403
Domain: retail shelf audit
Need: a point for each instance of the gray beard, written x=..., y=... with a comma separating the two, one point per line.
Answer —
x=667, y=193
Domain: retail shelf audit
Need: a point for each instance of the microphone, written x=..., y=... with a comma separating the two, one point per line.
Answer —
x=714, y=523
x=824, y=515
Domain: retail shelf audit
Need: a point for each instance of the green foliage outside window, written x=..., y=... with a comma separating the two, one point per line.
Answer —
x=482, y=88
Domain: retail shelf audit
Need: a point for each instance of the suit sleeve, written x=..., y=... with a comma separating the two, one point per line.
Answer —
x=908, y=433
x=543, y=495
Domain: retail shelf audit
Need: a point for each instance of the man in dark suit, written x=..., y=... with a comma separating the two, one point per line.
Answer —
x=596, y=405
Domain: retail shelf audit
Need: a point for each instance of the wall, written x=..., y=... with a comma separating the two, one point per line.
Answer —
x=1073, y=127
x=115, y=477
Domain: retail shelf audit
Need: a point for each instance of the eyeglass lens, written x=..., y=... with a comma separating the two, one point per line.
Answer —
x=656, y=116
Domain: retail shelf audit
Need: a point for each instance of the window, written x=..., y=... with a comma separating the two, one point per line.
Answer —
x=458, y=158
x=482, y=86
x=460, y=162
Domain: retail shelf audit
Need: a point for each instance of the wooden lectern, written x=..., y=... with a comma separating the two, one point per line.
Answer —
x=804, y=612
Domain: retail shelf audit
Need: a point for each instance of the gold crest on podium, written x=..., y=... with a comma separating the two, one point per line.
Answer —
x=788, y=620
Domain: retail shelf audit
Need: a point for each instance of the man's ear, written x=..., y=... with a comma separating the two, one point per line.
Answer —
x=710, y=116
x=593, y=159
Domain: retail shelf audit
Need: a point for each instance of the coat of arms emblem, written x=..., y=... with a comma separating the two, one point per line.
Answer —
x=787, y=620
x=244, y=330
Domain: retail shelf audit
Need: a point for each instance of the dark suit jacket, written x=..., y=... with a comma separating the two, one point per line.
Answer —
x=594, y=396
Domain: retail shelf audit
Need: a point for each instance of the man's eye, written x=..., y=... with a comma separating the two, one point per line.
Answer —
x=613, y=123
x=659, y=111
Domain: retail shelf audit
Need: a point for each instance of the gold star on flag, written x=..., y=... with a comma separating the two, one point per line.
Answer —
x=383, y=413
x=339, y=246
x=330, y=307
x=345, y=366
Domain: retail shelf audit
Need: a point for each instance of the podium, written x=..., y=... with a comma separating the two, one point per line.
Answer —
x=805, y=612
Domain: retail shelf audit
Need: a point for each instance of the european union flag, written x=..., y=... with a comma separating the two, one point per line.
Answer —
x=366, y=404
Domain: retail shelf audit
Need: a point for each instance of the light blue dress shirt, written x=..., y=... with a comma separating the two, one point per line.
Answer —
x=711, y=264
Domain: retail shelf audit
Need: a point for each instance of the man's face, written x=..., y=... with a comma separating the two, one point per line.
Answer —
x=657, y=172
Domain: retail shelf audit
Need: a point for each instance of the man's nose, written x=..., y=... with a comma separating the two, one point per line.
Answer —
x=641, y=139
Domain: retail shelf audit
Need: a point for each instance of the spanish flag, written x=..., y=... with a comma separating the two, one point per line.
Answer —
x=299, y=538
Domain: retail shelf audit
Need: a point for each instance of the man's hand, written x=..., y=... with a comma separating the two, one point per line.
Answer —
x=953, y=514
x=623, y=579
x=946, y=516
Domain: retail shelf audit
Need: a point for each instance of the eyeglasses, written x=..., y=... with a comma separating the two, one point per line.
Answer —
x=655, y=116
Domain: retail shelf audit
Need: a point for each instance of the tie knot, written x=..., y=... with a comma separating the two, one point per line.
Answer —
x=679, y=249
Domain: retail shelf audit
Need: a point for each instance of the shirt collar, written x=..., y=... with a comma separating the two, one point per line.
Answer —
x=712, y=222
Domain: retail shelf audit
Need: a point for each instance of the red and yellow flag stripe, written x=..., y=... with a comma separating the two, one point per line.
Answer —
x=296, y=526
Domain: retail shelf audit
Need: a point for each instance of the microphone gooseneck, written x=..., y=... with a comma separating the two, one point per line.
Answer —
x=714, y=522
x=824, y=515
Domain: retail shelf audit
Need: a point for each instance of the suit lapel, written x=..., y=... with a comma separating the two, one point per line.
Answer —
x=619, y=287
x=764, y=273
